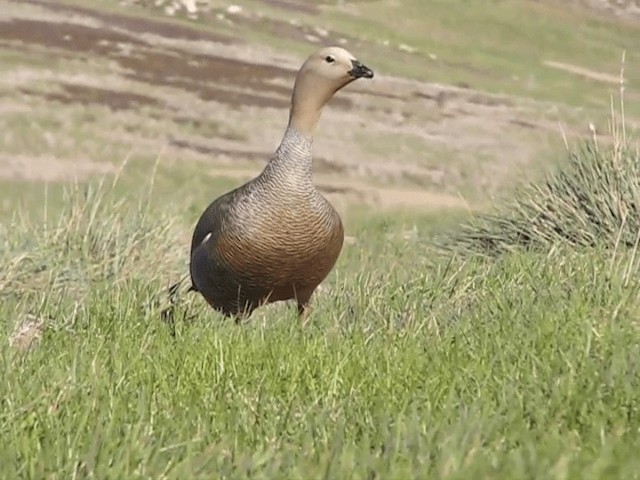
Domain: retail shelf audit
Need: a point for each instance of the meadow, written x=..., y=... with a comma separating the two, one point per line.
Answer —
x=483, y=320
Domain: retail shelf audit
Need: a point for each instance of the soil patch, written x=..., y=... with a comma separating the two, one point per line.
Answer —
x=212, y=78
x=301, y=33
x=320, y=164
x=135, y=24
x=49, y=169
x=67, y=36
x=204, y=76
x=113, y=99
x=584, y=72
x=382, y=197
x=294, y=6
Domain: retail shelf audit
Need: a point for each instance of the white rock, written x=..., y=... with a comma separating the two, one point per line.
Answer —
x=406, y=48
x=190, y=5
x=234, y=9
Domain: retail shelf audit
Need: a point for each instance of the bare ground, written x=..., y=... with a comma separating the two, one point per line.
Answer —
x=152, y=85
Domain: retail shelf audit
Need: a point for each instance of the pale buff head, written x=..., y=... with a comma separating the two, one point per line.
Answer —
x=322, y=74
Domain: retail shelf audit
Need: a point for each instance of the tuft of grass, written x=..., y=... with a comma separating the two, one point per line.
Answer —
x=96, y=237
x=592, y=200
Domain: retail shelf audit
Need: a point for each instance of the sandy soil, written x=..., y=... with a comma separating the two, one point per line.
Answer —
x=420, y=139
x=627, y=10
x=584, y=72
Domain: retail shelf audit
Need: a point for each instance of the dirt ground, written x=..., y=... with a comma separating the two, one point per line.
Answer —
x=624, y=9
x=390, y=141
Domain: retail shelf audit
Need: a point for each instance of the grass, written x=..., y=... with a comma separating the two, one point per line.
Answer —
x=501, y=49
x=592, y=200
x=446, y=47
x=523, y=367
x=498, y=60
x=415, y=364
x=517, y=384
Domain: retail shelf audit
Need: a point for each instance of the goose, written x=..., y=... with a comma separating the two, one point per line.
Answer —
x=276, y=237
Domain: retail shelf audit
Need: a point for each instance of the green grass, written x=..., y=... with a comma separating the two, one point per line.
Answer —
x=591, y=200
x=415, y=363
x=520, y=368
x=500, y=48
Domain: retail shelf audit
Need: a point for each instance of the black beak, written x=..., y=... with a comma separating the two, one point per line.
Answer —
x=359, y=70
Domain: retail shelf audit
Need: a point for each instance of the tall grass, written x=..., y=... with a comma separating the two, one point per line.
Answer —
x=592, y=200
x=530, y=372
x=97, y=239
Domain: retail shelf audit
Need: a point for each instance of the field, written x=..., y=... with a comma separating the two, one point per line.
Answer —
x=509, y=349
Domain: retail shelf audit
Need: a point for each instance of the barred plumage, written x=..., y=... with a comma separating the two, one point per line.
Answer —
x=276, y=237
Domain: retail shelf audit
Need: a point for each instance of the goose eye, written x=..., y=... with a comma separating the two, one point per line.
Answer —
x=329, y=59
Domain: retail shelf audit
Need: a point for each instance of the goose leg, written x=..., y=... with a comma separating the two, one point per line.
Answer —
x=168, y=314
x=173, y=292
x=242, y=314
x=304, y=311
x=304, y=307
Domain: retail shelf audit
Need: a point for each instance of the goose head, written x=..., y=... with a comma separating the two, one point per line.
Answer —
x=324, y=73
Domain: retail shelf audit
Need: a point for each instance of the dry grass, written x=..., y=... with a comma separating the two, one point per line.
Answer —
x=592, y=200
x=97, y=237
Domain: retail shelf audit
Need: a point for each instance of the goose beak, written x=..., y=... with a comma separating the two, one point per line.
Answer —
x=359, y=70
